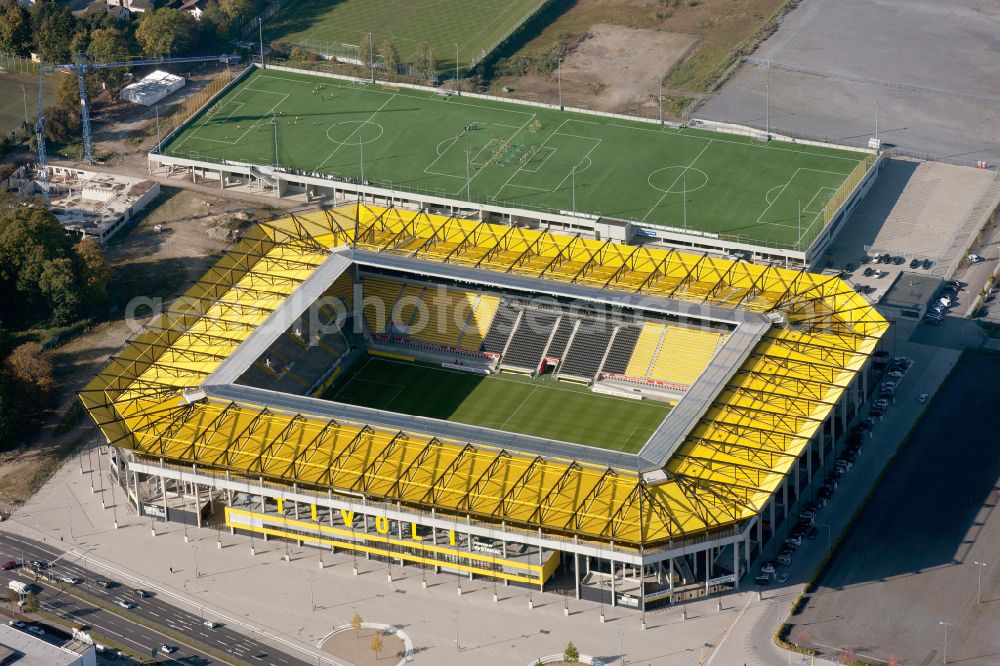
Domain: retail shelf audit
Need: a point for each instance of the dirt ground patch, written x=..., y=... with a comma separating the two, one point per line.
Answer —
x=718, y=26
x=357, y=649
x=625, y=65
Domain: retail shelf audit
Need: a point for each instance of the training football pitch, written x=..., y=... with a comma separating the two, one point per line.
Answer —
x=514, y=155
x=542, y=407
x=336, y=28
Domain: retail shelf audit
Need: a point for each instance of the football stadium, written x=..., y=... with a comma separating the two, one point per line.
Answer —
x=625, y=424
x=615, y=177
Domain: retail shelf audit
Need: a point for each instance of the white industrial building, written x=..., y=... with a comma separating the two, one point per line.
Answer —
x=152, y=88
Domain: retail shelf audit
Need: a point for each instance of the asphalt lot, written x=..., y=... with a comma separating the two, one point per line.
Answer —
x=132, y=635
x=908, y=562
x=934, y=68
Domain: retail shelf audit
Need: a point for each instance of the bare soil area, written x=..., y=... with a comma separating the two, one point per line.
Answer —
x=357, y=648
x=709, y=33
x=623, y=66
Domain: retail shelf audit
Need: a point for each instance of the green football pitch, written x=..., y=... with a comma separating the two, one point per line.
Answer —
x=515, y=155
x=336, y=28
x=542, y=407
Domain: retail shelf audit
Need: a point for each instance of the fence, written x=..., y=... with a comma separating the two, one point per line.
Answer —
x=847, y=188
x=194, y=103
x=19, y=64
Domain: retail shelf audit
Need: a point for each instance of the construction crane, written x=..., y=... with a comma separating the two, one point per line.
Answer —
x=40, y=137
x=83, y=65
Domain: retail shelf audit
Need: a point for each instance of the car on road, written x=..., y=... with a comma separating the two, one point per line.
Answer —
x=168, y=649
x=975, y=258
x=923, y=398
x=10, y=565
x=17, y=624
x=142, y=594
x=36, y=630
x=39, y=565
x=70, y=580
x=210, y=624
x=127, y=605
x=106, y=584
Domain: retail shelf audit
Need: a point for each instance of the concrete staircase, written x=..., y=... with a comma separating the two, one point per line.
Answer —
x=947, y=266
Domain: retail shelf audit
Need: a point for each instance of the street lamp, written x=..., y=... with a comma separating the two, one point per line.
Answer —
x=455, y=612
x=944, y=656
x=468, y=174
x=458, y=88
x=559, y=81
x=979, y=581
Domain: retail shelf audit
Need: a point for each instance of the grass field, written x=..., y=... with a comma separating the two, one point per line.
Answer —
x=335, y=28
x=13, y=99
x=541, y=407
x=522, y=156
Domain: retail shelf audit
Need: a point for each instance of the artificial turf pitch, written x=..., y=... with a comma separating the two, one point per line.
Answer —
x=541, y=407
x=332, y=27
x=765, y=193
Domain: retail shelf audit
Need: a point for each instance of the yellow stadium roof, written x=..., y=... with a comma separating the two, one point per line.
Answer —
x=723, y=472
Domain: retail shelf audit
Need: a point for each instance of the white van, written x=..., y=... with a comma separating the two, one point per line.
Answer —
x=19, y=586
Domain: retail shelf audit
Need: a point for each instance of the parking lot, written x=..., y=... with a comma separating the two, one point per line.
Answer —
x=907, y=564
x=933, y=67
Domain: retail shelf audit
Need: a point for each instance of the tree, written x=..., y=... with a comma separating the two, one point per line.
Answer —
x=390, y=56
x=571, y=655
x=166, y=32
x=58, y=283
x=94, y=274
x=376, y=643
x=13, y=596
x=356, y=623
x=61, y=124
x=424, y=60
x=15, y=28
x=365, y=49
x=30, y=236
x=68, y=93
x=30, y=603
x=109, y=45
x=54, y=30
x=31, y=371
x=846, y=655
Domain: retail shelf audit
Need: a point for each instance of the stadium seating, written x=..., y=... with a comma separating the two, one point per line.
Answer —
x=558, y=345
x=385, y=293
x=645, y=349
x=684, y=354
x=529, y=340
x=496, y=338
x=478, y=324
x=587, y=349
x=621, y=349
x=405, y=310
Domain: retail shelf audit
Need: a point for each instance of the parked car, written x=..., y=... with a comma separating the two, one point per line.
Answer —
x=768, y=568
x=781, y=577
x=868, y=272
x=975, y=258
x=762, y=580
x=784, y=559
x=914, y=263
x=794, y=541
x=927, y=263
x=36, y=630
x=17, y=624
x=923, y=398
x=812, y=533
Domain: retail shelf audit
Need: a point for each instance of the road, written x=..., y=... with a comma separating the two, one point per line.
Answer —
x=133, y=635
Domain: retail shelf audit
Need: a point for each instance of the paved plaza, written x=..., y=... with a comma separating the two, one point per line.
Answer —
x=264, y=594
